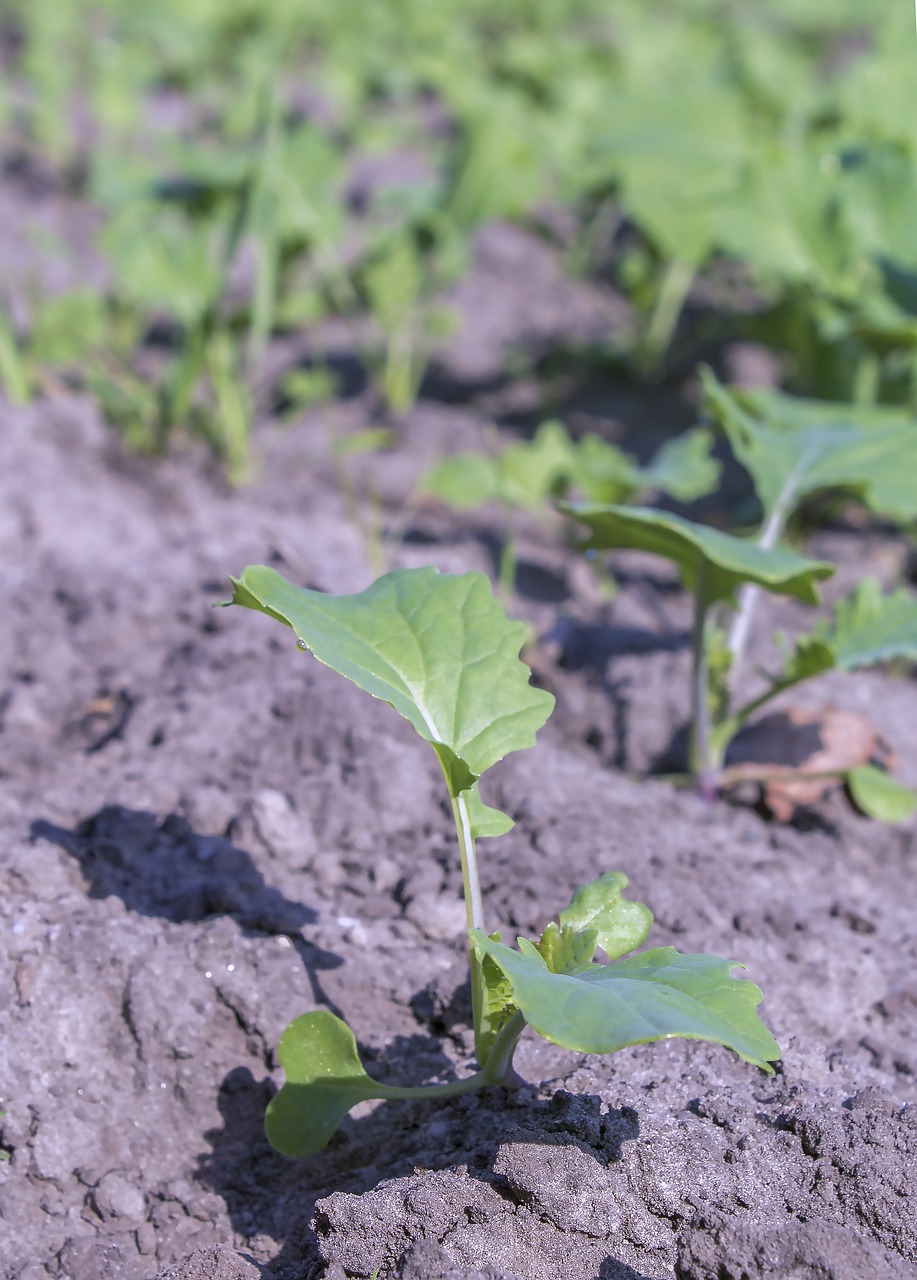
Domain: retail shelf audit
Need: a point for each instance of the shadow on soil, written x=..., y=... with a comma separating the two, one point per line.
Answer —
x=164, y=869
x=268, y=1194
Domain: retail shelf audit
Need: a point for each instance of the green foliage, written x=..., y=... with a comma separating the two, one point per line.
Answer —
x=620, y=926
x=441, y=651
x=880, y=796
x=656, y=995
x=791, y=449
x=528, y=474
x=707, y=136
x=794, y=448
x=867, y=628
x=437, y=648
x=324, y=1079
x=710, y=561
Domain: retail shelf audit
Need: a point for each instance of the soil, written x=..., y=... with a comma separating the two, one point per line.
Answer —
x=205, y=833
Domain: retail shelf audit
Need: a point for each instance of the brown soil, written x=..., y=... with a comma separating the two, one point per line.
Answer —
x=205, y=833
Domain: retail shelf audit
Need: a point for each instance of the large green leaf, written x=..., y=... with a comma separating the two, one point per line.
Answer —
x=324, y=1079
x=656, y=995
x=793, y=448
x=725, y=562
x=436, y=647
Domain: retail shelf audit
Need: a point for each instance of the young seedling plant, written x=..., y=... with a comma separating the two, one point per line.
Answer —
x=441, y=651
x=792, y=449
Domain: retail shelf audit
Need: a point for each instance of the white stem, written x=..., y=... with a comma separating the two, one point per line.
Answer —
x=748, y=595
x=474, y=906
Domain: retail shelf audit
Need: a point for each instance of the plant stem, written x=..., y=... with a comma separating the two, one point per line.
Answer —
x=499, y=1069
x=670, y=301
x=14, y=378
x=700, y=760
x=474, y=908
x=866, y=379
x=750, y=593
x=474, y=913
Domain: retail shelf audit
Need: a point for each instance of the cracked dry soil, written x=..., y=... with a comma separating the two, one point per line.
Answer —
x=205, y=833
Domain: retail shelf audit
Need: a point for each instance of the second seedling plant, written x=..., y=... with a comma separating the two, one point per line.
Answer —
x=791, y=449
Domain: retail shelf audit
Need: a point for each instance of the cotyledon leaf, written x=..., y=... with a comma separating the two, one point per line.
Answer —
x=724, y=561
x=793, y=448
x=437, y=647
x=656, y=995
x=879, y=796
x=324, y=1079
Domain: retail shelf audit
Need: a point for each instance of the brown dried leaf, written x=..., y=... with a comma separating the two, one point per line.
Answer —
x=799, y=755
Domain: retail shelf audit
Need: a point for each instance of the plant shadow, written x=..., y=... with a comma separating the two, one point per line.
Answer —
x=164, y=869
x=269, y=1195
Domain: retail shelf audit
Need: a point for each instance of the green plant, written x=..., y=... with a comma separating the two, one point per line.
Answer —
x=440, y=650
x=530, y=475
x=792, y=450
x=395, y=283
x=66, y=332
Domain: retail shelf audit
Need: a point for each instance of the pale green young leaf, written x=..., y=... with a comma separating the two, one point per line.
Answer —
x=604, y=473
x=436, y=647
x=464, y=481
x=533, y=471
x=484, y=819
x=879, y=796
x=793, y=448
x=324, y=1079
x=683, y=467
x=530, y=473
x=527, y=474
x=655, y=995
x=620, y=925
x=566, y=949
x=497, y=1006
x=724, y=561
x=867, y=628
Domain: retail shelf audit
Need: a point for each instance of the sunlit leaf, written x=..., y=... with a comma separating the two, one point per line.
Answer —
x=724, y=561
x=867, y=628
x=655, y=995
x=324, y=1079
x=683, y=467
x=484, y=819
x=464, y=481
x=436, y=647
x=792, y=448
x=620, y=925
